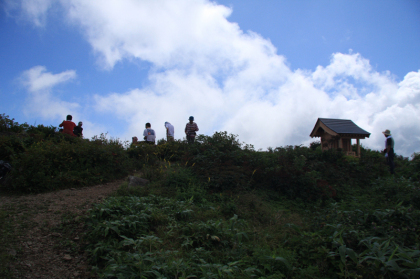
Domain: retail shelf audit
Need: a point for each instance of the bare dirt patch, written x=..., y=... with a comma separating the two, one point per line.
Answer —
x=48, y=232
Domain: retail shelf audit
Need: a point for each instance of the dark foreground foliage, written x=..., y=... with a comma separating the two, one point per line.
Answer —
x=220, y=209
x=43, y=159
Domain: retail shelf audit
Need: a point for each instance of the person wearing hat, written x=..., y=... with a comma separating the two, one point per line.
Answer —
x=170, y=131
x=190, y=130
x=389, y=150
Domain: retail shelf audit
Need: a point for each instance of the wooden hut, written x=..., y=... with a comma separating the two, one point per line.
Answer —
x=338, y=133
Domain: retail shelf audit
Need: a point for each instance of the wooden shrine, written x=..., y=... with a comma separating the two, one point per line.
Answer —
x=338, y=133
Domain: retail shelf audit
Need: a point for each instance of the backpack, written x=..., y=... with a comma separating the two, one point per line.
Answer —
x=4, y=169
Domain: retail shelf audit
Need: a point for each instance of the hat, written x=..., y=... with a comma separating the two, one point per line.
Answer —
x=191, y=118
x=386, y=132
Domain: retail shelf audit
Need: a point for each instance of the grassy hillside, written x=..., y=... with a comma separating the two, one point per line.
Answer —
x=220, y=209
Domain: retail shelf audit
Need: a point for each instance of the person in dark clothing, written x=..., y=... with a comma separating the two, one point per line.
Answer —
x=190, y=130
x=78, y=130
x=389, y=150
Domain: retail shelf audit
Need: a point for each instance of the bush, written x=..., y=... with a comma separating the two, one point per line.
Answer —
x=220, y=162
x=160, y=237
x=314, y=145
x=143, y=154
x=9, y=125
x=411, y=168
x=403, y=190
x=180, y=178
x=46, y=165
x=10, y=146
x=44, y=131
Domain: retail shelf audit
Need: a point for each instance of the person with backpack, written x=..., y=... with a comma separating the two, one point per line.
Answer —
x=68, y=126
x=389, y=150
x=190, y=130
x=149, y=134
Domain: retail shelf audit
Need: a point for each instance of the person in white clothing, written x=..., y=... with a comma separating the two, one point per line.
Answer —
x=170, y=131
x=149, y=134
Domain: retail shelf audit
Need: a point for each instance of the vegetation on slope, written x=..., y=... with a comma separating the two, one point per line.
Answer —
x=220, y=209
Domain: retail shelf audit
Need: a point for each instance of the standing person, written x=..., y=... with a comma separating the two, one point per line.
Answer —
x=170, y=131
x=78, y=130
x=68, y=126
x=149, y=134
x=190, y=130
x=389, y=150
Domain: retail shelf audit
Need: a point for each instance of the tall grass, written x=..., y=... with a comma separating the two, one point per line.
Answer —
x=220, y=209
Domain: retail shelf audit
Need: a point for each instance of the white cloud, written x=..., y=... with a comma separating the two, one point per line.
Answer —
x=165, y=33
x=33, y=10
x=204, y=65
x=41, y=100
x=37, y=79
x=173, y=97
x=91, y=129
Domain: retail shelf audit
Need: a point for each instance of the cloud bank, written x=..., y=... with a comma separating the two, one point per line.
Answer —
x=41, y=99
x=206, y=66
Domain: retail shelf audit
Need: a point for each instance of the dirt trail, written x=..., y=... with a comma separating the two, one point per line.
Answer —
x=48, y=240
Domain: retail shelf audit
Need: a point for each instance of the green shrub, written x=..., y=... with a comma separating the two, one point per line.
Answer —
x=314, y=145
x=143, y=154
x=156, y=237
x=179, y=178
x=9, y=125
x=402, y=190
x=409, y=169
x=219, y=161
x=45, y=131
x=10, y=146
x=46, y=165
x=275, y=260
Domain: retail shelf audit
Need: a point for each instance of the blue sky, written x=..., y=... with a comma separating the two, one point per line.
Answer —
x=264, y=70
x=308, y=32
